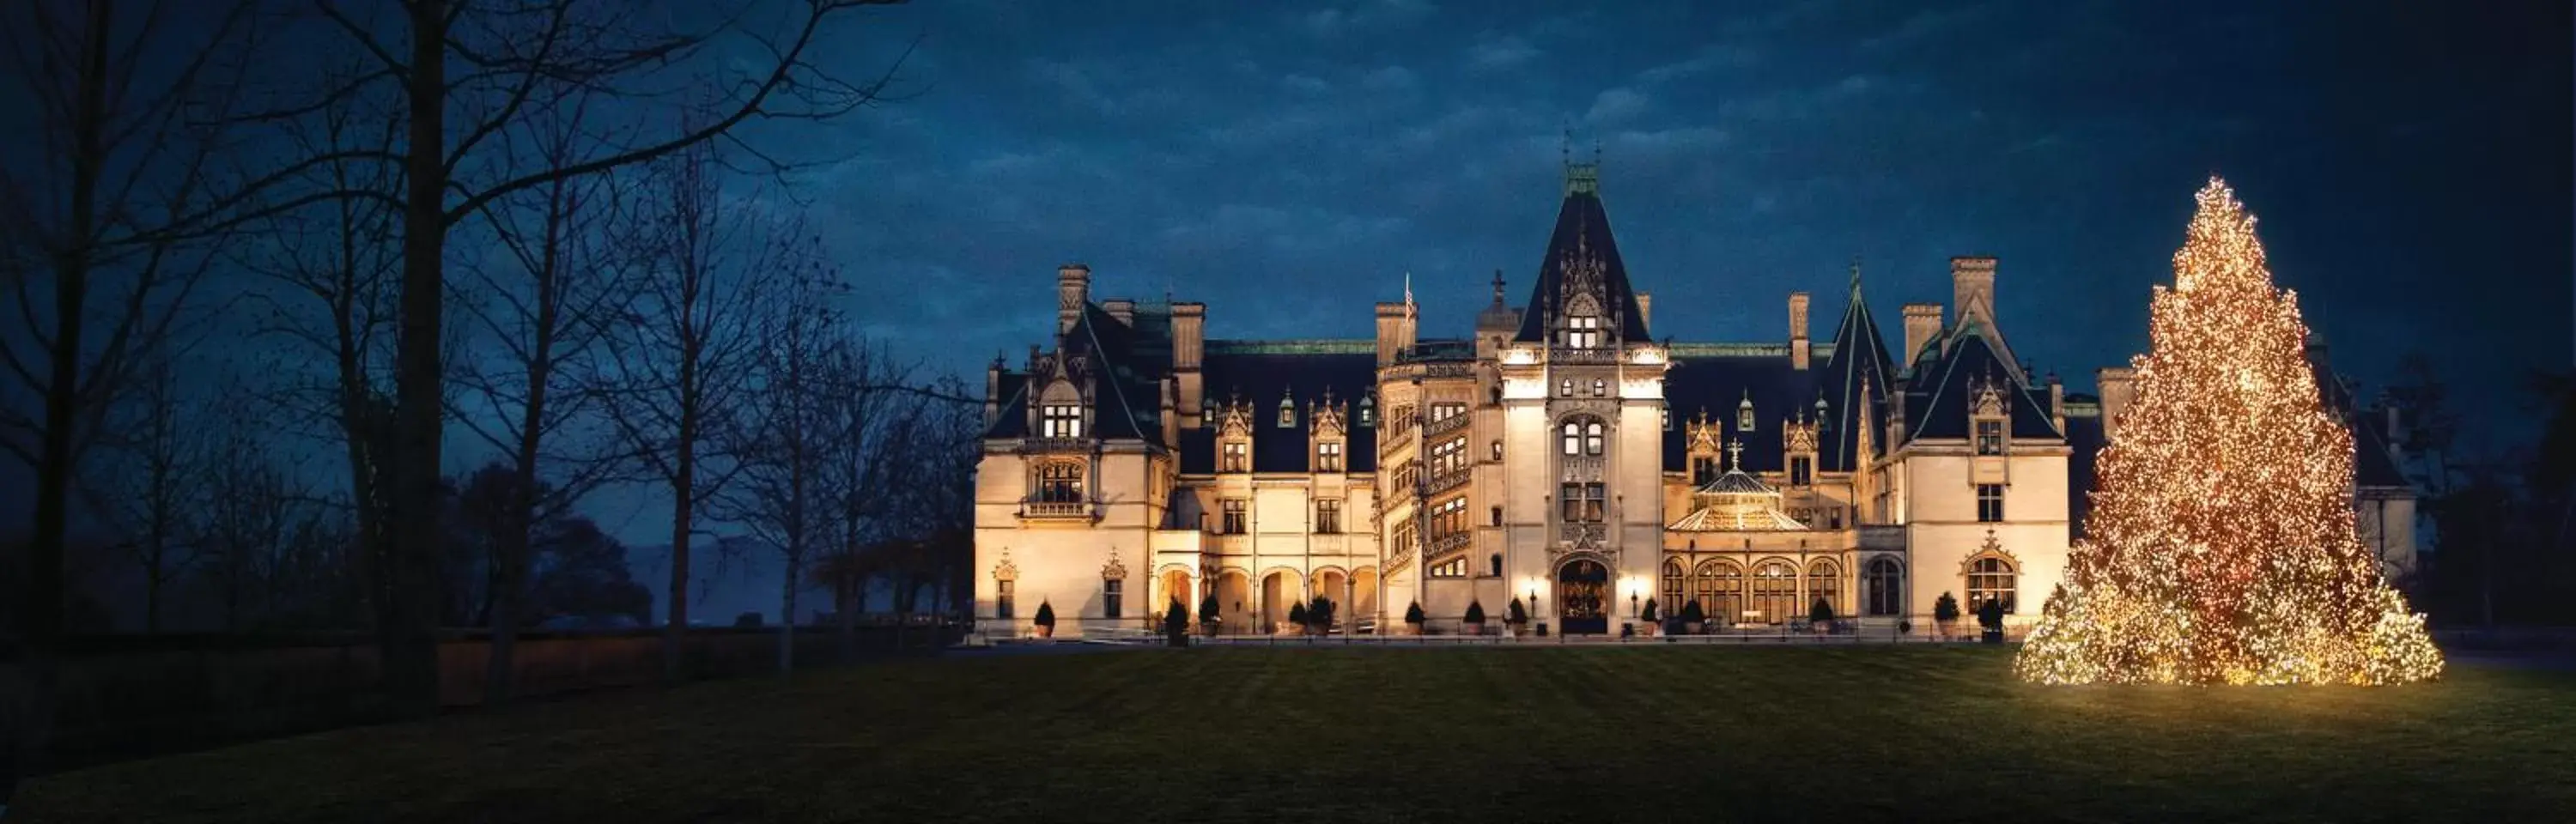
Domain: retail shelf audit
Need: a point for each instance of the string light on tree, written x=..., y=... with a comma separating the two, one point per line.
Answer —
x=2222, y=546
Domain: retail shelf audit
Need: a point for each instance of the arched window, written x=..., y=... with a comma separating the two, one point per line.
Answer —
x=1497, y=560
x=1592, y=438
x=1881, y=587
x=1721, y=591
x=1368, y=411
x=1825, y=583
x=1573, y=438
x=1990, y=579
x=1673, y=588
x=1600, y=387
x=1775, y=592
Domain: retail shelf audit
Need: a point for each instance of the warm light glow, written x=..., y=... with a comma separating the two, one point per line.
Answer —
x=2222, y=544
x=1520, y=356
x=1648, y=356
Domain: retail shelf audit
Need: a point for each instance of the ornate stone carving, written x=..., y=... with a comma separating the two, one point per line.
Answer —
x=1985, y=398
x=1005, y=570
x=1113, y=571
x=1798, y=436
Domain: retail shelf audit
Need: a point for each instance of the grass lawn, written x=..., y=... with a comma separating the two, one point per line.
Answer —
x=1840, y=734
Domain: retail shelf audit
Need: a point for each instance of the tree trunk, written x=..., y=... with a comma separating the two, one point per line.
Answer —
x=683, y=484
x=410, y=642
x=847, y=589
x=787, y=620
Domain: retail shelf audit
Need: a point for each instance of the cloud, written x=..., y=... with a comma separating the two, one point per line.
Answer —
x=1388, y=79
x=1365, y=17
x=1615, y=104
x=1306, y=84
x=1708, y=58
x=1500, y=53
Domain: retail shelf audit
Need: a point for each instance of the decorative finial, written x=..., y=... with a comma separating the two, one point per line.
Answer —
x=1498, y=286
x=1855, y=275
x=1734, y=454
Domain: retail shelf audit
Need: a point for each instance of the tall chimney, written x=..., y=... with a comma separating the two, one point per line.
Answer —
x=993, y=391
x=1072, y=293
x=1922, y=324
x=2115, y=382
x=2056, y=400
x=1798, y=345
x=1189, y=342
x=1394, y=332
x=1972, y=284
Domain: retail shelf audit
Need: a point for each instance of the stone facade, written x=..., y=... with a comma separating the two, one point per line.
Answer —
x=1559, y=456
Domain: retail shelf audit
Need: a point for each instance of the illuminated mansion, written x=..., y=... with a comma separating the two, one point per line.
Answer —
x=1561, y=455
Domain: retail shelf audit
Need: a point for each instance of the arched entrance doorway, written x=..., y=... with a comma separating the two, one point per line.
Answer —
x=1233, y=601
x=1583, y=597
x=1176, y=587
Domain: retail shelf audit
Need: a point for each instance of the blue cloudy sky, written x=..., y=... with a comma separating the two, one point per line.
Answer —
x=1288, y=163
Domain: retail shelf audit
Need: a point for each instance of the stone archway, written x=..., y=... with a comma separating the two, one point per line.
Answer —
x=1583, y=601
x=1364, y=596
x=1234, y=601
x=1332, y=584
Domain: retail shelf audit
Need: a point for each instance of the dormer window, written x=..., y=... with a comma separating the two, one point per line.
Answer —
x=1744, y=415
x=1236, y=457
x=1990, y=436
x=1060, y=421
x=1583, y=332
x=1287, y=413
x=1328, y=456
x=1207, y=411
x=1368, y=411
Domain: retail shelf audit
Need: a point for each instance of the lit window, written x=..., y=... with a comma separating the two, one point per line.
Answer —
x=1453, y=568
x=1825, y=583
x=1113, y=595
x=1573, y=439
x=1775, y=593
x=1368, y=412
x=1233, y=510
x=1583, y=332
x=1060, y=483
x=1236, y=457
x=1990, y=437
x=1061, y=421
x=1672, y=588
x=1600, y=387
x=1592, y=438
x=1444, y=411
x=1565, y=387
x=1287, y=414
x=1328, y=516
x=1990, y=503
x=1583, y=503
x=1328, y=456
x=1990, y=579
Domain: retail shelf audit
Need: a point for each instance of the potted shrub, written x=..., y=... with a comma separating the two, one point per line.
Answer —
x=1821, y=616
x=1515, y=616
x=1648, y=615
x=1413, y=618
x=1045, y=622
x=1176, y=623
x=1319, y=616
x=1475, y=618
x=1904, y=627
x=1296, y=618
x=1945, y=614
x=1208, y=615
x=1990, y=618
x=1694, y=620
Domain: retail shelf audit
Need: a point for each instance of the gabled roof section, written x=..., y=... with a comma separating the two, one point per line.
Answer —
x=1581, y=241
x=1126, y=406
x=1720, y=384
x=1012, y=418
x=1261, y=373
x=1859, y=356
x=1937, y=401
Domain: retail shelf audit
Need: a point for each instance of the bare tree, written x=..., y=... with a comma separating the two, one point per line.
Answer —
x=866, y=421
x=785, y=443
x=512, y=58
x=682, y=360
x=560, y=286
x=149, y=489
x=119, y=151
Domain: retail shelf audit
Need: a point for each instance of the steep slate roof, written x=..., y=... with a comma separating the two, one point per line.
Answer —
x=1859, y=353
x=1013, y=420
x=2084, y=435
x=1131, y=362
x=1937, y=399
x=1262, y=372
x=1718, y=381
x=1581, y=218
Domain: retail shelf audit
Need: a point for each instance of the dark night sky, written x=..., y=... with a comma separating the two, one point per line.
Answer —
x=1288, y=164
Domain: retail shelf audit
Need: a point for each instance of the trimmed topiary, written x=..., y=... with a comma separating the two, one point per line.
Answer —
x=1514, y=613
x=1820, y=613
x=1475, y=612
x=1046, y=615
x=1413, y=614
x=1652, y=612
x=1945, y=609
x=1297, y=614
x=1691, y=612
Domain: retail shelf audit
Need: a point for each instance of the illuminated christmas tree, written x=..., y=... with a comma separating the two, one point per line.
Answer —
x=2222, y=547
